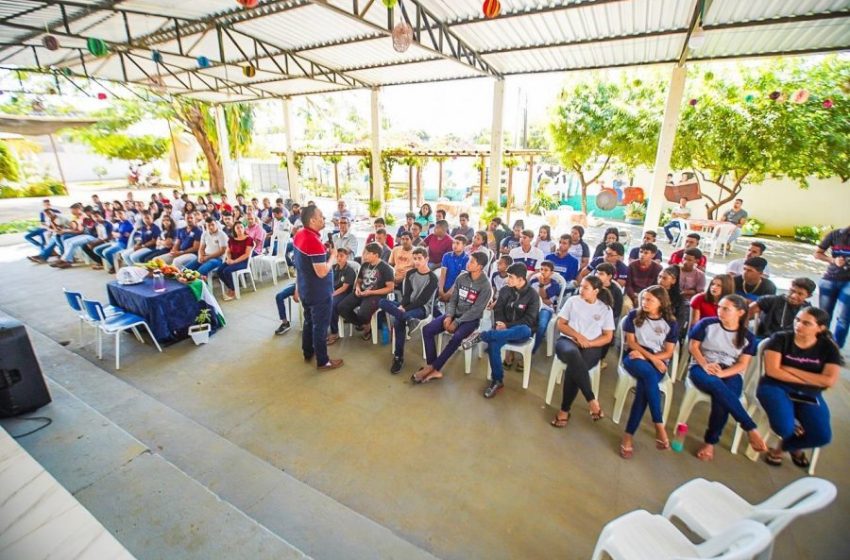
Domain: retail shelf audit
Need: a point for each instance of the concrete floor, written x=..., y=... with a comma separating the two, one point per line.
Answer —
x=443, y=468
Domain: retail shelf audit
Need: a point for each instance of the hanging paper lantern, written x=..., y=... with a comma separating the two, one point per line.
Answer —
x=203, y=62
x=827, y=103
x=37, y=106
x=708, y=76
x=101, y=96
x=800, y=96
x=402, y=36
x=249, y=71
x=51, y=91
x=156, y=56
x=97, y=47
x=50, y=42
x=749, y=98
x=390, y=4
x=692, y=102
x=774, y=95
x=491, y=8
x=66, y=72
x=248, y=4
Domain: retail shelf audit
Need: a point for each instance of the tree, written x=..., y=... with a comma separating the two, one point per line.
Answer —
x=145, y=149
x=9, y=169
x=108, y=136
x=785, y=119
x=597, y=122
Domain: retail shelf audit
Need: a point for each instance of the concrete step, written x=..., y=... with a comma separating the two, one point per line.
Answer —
x=301, y=518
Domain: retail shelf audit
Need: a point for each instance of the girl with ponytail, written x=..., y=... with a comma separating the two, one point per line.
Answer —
x=721, y=348
x=586, y=325
x=799, y=365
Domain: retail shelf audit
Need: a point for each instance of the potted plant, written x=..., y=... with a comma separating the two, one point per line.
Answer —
x=200, y=331
x=752, y=227
x=635, y=212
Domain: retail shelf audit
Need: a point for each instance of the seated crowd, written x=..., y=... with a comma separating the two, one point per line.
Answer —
x=451, y=281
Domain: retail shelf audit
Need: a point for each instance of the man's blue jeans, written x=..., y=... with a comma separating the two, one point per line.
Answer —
x=36, y=237
x=496, y=340
x=57, y=242
x=543, y=318
x=725, y=400
x=280, y=299
x=208, y=266
x=314, y=337
x=400, y=322
x=835, y=300
x=432, y=330
x=646, y=392
x=674, y=224
x=76, y=242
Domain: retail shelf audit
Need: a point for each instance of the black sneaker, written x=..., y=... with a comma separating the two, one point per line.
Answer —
x=283, y=328
x=495, y=387
x=471, y=340
x=397, y=365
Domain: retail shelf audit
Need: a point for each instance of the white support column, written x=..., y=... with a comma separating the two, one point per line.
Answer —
x=665, y=146
x=291, y=170
x=496, y=140
x=224, y=153
x=377, y=177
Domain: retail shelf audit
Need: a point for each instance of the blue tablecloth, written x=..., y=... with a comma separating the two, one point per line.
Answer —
x=169, y=314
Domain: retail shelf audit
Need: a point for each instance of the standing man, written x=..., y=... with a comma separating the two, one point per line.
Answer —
x=738, y=216
x=315, y=286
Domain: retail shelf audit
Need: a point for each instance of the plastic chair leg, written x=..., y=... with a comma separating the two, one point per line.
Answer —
x=526, y=367
x=555, y=373
x=624, y=383
x=595, y=375
x=668, y=401
x=235, y=277
x=117, y=350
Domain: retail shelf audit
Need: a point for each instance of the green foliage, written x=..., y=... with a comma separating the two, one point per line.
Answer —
x=390, y=219
x=752, y=227
x=17, y=226
x=299, y=162
x=145, y=148
x=374, y=206
x=334, y=159
x=734, y=133
x=597, y=122
x=10, y=192
x=491, y=210
x=811, y=234
x=244, y=187
x=100, y=171
x=543, y=202
x=635, y=211
x=204, y=317
x=666, y=216
x=47, y=187
x=9, y=168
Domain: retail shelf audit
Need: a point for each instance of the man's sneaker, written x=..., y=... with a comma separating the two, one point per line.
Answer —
x=283, y=328
x=412, y=323
x=495, y=387
x=397, y=364
x=471, y=340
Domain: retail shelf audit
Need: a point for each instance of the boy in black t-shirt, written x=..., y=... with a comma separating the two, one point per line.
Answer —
x=374, y=281
x=776, y=313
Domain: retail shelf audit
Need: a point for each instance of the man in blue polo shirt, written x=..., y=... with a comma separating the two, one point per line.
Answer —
x=453, y=263
x=565, y=264
x=185, y=247
x=315, y=285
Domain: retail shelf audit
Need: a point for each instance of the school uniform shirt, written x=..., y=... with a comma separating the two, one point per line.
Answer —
x=589, y=319
x=839, y=241
x=776, y=314
x=530, y=259
x=147, y=234
x=344, y=275
x=454, y=265
x=621, y=270
x=652, y=334
x=124, y=229
x=509, y=243
x=810, y=360
x=579, y=250
x=705, y=308
x=718, y=344
x=437, y=248
x=310, y=250
x=498, y=282
x=213, y=242
x=764, y=288
x=553, y=290
x=469, y=298
x=375, y=277
x=634, y=255
x=186, y=238
x=545, y=245
x=566, y=266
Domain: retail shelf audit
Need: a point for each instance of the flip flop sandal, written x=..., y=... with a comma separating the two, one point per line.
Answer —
x=560, y=422
x=626, y=452
x=597, y=416
x=800, y=459
x=705, y=455
x=773, y=460
x=662, y=445
x=431, y=378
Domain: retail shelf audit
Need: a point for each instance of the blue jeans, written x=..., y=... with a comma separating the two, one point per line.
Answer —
x=676, y=225
x=646, y=392
x=56, y=243
x=496, y=340
x=725, y=400
x=225, y=272
x=314, y=337
x=835, y=300
x=110, y=252
x=153, y=254
x=400, y=323
x=543, y=318
x=74, y=243
x=432, y=330
x=782, y=411
x=280, y=299
x=36, y=237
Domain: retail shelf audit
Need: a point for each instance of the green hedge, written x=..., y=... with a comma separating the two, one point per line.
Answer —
x=17, y=226
x=48, y=187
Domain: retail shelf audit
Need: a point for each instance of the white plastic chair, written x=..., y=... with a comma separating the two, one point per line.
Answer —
x=239, y=275
x=550, y=328
x=639, y=535
x=115, y=324
x=556, y=375
x=709, y=508
x=626, y=382
x=467, y=354
x=694, y=396
x=280, y=240
x=718, y=238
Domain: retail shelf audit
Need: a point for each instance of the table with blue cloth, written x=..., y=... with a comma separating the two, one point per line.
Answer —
x=169, y=313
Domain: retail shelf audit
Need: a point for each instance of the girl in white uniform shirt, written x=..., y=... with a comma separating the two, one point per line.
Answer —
x=651, y=336
x=544, y=240
x=586, y=324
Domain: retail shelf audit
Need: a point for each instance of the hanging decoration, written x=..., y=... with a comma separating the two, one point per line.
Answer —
x=491, y=8
x=390, y=4
x=66, y=72
x=97, y=47
x=249, y=71
x=50, y=42
x=774, y=95
x=800, y=96
x=692, y=102
x=101, y=96
x=402, y=36
x=156, y=56
x=38, y=106
x=749, y=98
x=248, y=4
x=827, y=103
x=203, y=62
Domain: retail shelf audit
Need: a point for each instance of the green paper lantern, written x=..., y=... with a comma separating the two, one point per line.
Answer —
x=390, y=4
x=749, y=98
x=97, y=47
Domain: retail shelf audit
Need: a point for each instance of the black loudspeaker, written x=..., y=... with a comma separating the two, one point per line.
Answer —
x=22, y=385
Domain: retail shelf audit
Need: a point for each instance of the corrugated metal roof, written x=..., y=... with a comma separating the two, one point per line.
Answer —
x=291, y=42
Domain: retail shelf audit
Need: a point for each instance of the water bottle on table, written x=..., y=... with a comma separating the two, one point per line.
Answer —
x=158, y=281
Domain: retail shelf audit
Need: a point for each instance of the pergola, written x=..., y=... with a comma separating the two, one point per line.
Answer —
x=218, y=51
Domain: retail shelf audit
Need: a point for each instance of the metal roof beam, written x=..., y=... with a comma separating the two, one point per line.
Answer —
x=538, y=10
